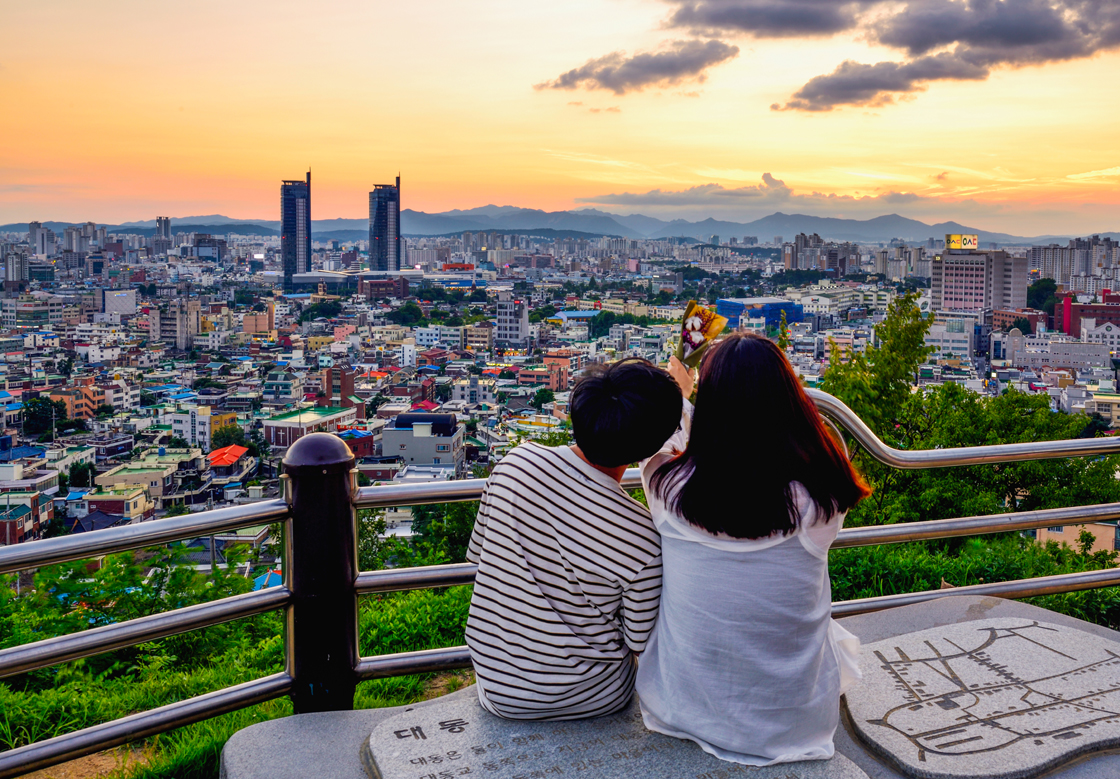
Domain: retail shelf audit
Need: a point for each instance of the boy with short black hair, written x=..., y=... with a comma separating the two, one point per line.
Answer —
x=569, y=565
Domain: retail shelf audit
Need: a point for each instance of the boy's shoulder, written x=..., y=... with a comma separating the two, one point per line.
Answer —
x=532, y=452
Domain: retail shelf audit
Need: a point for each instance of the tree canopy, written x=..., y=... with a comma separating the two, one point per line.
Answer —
x=227, y=435
x=37, y=416
x=327, y=308
x=408, y=314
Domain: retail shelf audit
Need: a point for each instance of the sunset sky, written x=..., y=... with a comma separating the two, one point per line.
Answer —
x=989, y=112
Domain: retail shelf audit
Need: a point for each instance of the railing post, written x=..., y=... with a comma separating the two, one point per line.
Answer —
x=320, y=569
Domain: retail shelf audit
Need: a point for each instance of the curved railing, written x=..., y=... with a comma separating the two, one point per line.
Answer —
x=320, y=500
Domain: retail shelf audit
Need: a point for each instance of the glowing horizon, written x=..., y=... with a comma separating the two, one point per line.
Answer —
x=127, y=110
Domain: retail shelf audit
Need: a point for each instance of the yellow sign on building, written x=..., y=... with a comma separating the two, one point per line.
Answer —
x=962, y=242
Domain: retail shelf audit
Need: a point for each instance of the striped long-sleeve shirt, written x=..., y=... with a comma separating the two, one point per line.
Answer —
x=568, y=585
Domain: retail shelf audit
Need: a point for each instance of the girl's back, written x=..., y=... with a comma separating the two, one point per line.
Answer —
x=748, y=495
x=745, y=657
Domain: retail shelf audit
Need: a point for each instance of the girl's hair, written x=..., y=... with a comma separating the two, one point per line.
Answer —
x=754, y=433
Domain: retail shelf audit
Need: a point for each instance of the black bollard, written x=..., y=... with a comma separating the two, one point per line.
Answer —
x=320, y=567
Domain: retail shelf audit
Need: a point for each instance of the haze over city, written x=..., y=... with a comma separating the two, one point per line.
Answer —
x=989, y=114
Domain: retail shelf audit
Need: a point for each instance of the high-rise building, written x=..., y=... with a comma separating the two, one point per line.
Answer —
x=177, y=324
x=385, y=249
x=973, y=281
x=295, y=229
x=33, y=229
x=513, y=321
x=163, y=227
x=16, y=267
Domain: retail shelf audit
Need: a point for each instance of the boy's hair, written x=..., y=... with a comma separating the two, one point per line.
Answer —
x=623, y=412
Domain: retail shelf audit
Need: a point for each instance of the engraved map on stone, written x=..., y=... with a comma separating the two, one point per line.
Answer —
x=456, y=738
x=990, y=698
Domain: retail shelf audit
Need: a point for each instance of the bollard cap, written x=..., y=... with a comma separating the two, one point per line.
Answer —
x=319, y=450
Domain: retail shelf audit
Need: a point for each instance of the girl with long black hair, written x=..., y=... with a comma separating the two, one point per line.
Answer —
x=748, y=496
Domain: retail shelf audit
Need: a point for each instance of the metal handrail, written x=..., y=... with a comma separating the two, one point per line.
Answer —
x=83, y=546
x=84, y=644
x=52, y=751
x=74, y=646
x=835, y=409
x=384, y=496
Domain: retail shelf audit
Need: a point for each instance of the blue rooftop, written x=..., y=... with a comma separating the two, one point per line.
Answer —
x=566, y=315
x=266, y=580
x=19, y=452
x=348, y=434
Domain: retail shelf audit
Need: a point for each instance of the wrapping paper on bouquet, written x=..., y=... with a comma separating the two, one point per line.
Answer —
x=699, y=329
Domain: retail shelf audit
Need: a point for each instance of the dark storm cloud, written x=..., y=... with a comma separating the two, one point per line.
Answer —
x=971, y=38
x=854, y=83
x=680, y=61
x=767, y=18
x=940, y=40
x=1021, y=29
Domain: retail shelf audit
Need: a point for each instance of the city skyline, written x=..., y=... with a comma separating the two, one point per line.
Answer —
x=295, y=228
x=385, y=227
x=557, y=117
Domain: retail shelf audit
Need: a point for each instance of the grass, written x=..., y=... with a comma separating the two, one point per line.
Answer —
x=78, y=695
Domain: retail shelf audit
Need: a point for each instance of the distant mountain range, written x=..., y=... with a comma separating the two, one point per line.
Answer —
x=593, y=222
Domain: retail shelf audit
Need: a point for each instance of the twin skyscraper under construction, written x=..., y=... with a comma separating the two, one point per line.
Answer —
x=385, y=245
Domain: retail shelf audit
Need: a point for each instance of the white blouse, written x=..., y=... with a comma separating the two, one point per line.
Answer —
x=745, y=658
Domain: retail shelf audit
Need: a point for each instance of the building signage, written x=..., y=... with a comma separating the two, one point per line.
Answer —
x=962, y=242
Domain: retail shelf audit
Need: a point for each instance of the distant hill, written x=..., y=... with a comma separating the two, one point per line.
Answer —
x=538, y=232
x=592, y=222
x=340, y=235
x=510, y=218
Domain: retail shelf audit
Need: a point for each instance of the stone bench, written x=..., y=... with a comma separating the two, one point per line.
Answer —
x=957, y=687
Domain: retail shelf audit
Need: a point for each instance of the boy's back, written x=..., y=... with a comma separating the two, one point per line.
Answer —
x=568, y=586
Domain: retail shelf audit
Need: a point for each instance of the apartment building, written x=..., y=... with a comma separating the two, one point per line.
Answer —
x=426, y=439
x=196, y=424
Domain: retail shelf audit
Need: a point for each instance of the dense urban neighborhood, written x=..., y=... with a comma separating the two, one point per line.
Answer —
x=149, y=372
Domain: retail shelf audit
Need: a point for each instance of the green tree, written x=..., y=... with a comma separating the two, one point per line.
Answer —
x=37, y=415
x=376, y=549
x=876, y=383
x=1041, y=295
x=1023, y=324
x=177, y=510
x=328, y=309
x=783, y=333
x=949, y=416
x=228, y=435
x=374, y=403
x=542, y=313
x=81, y=475
x=258, y=445
x=105, y=410
x=561, y=436
x=178, y=442
x=443, y=531
x=408, y=314
x=543, y=395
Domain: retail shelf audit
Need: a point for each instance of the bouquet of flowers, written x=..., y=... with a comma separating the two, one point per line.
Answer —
x=699, y=330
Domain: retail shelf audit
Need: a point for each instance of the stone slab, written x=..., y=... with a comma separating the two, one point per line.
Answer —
x=459, y=738
x=1002, y=698
x=328, y=746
